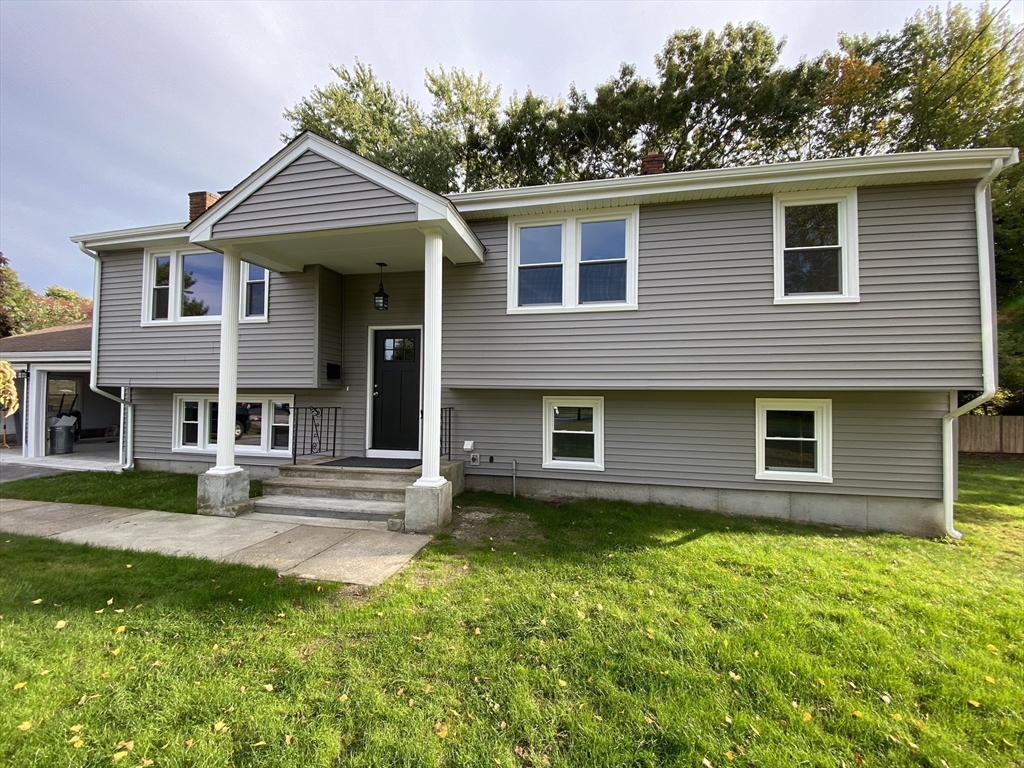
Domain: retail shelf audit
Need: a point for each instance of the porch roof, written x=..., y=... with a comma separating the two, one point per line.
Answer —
x=317, y=203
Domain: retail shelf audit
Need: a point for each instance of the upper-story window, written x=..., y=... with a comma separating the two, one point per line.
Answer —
x=575, y=263
x=816, y=247
x=186, y=285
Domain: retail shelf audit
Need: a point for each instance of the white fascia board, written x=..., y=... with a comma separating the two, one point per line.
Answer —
x=137, y=236
x=973, y=162
x=462, y=230
x=48, y=357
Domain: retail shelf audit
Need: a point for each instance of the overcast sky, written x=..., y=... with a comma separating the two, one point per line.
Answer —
x=110, y=113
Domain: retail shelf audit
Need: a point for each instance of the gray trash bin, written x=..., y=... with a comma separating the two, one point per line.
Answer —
x=62, y=439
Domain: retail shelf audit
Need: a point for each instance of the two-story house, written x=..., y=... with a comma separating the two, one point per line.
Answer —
x=783, y=340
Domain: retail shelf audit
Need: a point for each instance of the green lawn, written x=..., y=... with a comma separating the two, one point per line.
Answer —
x=166, y=491
x=588, y=634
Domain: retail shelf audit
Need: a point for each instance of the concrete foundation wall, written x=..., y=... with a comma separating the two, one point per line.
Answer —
x=192, y=467
x=914, y=517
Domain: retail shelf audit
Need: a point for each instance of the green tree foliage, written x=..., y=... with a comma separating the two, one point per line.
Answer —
x=22, y=310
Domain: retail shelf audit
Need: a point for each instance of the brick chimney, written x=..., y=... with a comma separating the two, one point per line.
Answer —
x=199, y=202
x=651, y=163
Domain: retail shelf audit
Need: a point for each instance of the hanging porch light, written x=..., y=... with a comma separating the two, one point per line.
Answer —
x=380, y=299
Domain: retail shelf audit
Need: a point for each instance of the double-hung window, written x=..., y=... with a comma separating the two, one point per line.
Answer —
x=186, y=286
x=794, y=440
x=816, y=254
x=575, y=263
x=574, y=433
x=262, y=423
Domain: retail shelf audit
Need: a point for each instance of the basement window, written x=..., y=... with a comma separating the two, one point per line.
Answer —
x=263, y=424
x=574, y=433
x=794, y=440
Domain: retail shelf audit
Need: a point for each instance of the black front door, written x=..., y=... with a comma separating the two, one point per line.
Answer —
x=396, y=390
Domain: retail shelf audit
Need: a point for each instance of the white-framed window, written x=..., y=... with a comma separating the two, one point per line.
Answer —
x=574, y=263
x=263, y=424
x=816, y=253
x=255, y=293
x=574, y=433
x=794, y=440
x=185, y=285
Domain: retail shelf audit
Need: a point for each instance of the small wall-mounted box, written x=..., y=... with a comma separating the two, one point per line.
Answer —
x=474, y=459
x=469, y=445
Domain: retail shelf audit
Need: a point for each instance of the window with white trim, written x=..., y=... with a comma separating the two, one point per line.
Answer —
x=574, y=433
x=794, y=440
x=816, y=253
x=185, y=285
x=263, y=423
x=576, y=263
x=254, y=292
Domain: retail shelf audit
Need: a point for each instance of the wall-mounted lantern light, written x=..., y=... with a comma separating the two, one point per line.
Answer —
x=380, y=299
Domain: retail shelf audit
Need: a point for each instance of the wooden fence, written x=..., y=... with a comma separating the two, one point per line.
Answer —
x=991, y=434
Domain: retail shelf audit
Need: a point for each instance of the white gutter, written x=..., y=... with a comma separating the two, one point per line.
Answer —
x=988, y=344
x=125, y=445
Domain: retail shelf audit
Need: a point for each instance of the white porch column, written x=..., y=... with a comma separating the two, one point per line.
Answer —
x=431, y=448
x=227, y=385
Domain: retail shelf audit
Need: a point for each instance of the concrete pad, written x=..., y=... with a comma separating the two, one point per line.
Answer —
x=43, y=518
x=289, y=549
x=366, y=558
x=10, y=505
x=170, y=533
x=9, y=472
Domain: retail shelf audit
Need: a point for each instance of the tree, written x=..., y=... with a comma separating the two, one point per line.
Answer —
x=15, y=300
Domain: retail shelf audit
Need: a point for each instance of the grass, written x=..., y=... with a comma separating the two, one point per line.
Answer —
x=588, y=634
x=164, y=491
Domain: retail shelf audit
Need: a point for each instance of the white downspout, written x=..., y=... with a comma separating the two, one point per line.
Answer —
x=125, y=446
x=988, y=347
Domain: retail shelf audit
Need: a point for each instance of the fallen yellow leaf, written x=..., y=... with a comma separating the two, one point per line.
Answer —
x=120, y=755
x=562, y=684
x=99, y=611
x=19, y=686
x=729, y=756
x=990, y=679
x=260, y=743
x=857, y=713
x=60, y=624
x=476, y=631
x=289, y=739
x=75, y=729
x=344, y=697
x=37, y=602
x=146, y=762
x=821, y=682
x=268, y=687
x=77, y=743
x=45, y=671
x=442, y=730
x=110, y=601
x=992, y=648
x=807, y=716
x=220, y=726
x=115, y=652
x=25, y=726
x=974, y=703
x=120, y=630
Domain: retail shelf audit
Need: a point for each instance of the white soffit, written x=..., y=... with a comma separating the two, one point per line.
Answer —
x=873, y=170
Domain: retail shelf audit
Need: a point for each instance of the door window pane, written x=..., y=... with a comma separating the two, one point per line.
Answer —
x=400, y=350
x=202, y=277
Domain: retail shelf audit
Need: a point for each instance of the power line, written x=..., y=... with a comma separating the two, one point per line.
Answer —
x=966, y=49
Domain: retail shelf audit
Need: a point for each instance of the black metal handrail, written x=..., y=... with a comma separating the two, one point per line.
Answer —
x=446, y=432
x=314, y=430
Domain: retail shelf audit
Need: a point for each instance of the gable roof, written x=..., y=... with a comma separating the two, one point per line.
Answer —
x=430, y=209
x=74, y=337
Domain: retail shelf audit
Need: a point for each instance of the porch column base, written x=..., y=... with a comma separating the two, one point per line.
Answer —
x=223, y=494
x=428, y=510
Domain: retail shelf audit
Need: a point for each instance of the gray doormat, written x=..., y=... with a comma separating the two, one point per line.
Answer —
x=359, y=461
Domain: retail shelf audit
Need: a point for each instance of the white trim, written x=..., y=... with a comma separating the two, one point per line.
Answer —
x=244, y=296
x=748, y=180
x=846, y=201
x=205, y=447
x=370, y=451
x=174, y=316
x=45, y=357
x=571, y=225
x=135, y=236
x=822, y=435
x=550, y=402
x=34, y=426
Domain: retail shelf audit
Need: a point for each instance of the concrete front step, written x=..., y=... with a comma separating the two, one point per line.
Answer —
x=336, y=489
x=359, y=474
x=338, y=509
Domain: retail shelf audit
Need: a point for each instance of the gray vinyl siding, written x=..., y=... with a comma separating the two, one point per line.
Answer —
x=277, y=353
x=330, y=311
x=312, y=194
x=706, y=317
x=884, y=443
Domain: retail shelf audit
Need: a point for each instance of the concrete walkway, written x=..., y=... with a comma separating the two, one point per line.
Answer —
x=307, y=548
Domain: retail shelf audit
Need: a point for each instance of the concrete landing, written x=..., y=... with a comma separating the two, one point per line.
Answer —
x=292, y=546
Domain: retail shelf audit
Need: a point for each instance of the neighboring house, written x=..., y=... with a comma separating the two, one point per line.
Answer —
x=53, y=377
x=784, y=340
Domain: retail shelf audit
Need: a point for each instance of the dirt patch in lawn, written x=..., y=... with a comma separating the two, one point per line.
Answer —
x=480, y=523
